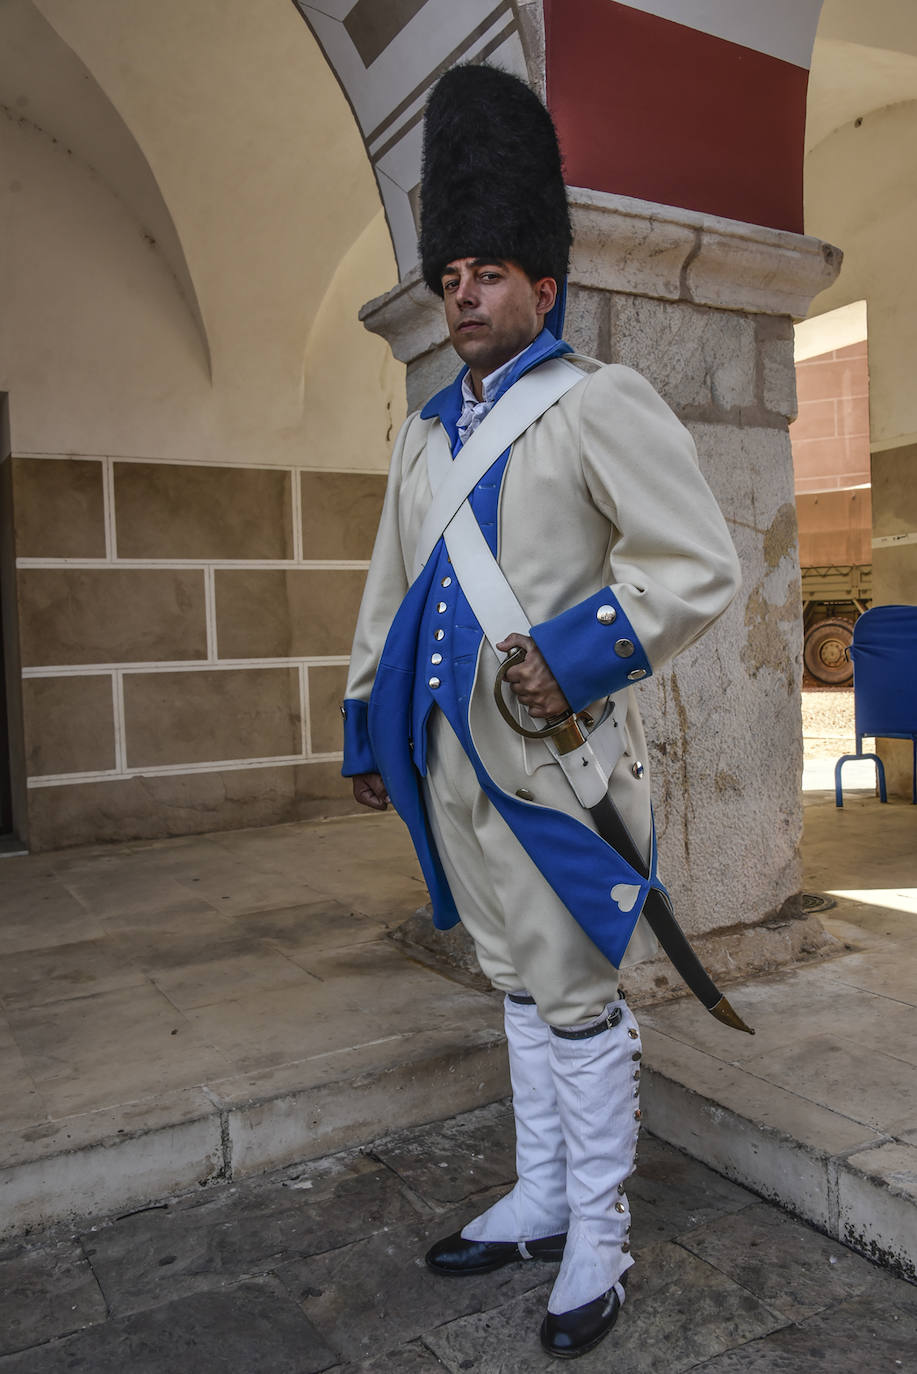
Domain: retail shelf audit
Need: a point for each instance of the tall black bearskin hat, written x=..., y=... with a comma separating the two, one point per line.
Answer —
x=492, y=183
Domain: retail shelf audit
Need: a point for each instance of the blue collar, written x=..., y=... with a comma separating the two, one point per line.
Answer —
x=446, y=405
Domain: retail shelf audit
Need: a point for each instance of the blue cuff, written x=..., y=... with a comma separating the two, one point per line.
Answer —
x=592, y=649
x=358, y=754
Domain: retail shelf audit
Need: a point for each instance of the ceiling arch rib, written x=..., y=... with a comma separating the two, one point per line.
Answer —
x=865, y=59
x=851, y=81
x=386, y=55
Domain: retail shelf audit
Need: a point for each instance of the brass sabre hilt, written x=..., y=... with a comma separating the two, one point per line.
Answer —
x=564, y=730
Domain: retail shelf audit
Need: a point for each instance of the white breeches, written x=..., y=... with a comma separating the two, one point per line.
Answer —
x=525, y=938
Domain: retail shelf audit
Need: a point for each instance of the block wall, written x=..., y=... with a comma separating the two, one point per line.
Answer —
x=831, y=433
x=184, y=631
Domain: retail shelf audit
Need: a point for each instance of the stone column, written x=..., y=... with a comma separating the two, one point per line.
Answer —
x=704, y=308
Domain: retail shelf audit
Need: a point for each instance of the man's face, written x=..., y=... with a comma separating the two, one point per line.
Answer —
x=493, y=310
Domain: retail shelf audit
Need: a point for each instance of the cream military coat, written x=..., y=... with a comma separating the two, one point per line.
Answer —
x=601, y=504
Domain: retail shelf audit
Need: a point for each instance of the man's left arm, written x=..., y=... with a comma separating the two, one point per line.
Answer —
x=386, y=584
x=673, y=568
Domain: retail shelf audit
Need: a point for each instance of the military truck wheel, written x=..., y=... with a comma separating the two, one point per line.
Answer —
x=824, y=652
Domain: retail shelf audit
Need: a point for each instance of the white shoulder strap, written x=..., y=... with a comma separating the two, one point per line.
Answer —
x=480, y=576
x=494, y=602
x=525, y=402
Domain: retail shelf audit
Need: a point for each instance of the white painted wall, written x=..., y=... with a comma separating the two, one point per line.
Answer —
x=861, y=193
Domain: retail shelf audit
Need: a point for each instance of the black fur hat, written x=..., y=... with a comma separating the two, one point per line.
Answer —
x=492, y=183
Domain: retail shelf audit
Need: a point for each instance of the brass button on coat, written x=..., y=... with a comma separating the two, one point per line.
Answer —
x=606, y=615
x=436, y=658
x=446, y=582
x=525, y=794
x=624, y=647
x=434, y=682
x=441, y=606
x=637, y=769
x=439, y=634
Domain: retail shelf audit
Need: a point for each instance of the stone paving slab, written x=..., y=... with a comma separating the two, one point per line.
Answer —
x=438, y=1163
x=794, y=1270
x=319, y=1267
x=704, y=1313
x=46, y=1293
x=862, y=1333
x=407, y=1359
x=254, y=1326
x=379, y=1290
x=216, y=1238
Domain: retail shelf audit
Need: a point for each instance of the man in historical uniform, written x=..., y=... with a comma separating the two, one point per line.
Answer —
x=542, y=502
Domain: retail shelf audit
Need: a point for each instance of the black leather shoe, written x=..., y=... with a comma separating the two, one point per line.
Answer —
x=568, y=1334
x=456, y=1256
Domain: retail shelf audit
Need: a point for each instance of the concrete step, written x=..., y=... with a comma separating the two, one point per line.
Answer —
x=853, y=1180
x=117, y=1159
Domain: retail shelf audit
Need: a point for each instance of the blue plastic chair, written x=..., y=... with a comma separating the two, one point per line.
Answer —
x=884, y=654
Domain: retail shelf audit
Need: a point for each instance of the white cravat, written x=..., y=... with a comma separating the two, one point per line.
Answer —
x=473, y=410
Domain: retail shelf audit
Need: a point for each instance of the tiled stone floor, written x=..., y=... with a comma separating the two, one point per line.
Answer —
x=206, y=1007
x=182, y=981
x=132, y=971
x=140, y=969
x=319, y=1267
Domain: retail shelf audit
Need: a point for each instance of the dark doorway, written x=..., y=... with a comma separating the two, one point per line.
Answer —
x=6, y=791
x=12, y=762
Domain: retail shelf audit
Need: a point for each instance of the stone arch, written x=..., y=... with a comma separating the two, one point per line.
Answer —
x=733, y=148
x=386, y=54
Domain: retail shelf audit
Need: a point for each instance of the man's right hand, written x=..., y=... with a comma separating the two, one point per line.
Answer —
x=369, y=790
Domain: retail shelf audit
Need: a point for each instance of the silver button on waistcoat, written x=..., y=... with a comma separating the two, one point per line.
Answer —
x=624, y=647
x=606, y=615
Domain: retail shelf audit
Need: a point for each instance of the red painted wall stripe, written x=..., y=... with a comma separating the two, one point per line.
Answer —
x=649, y=108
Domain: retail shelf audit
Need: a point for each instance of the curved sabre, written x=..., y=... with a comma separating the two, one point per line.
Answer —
x=567, y=734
